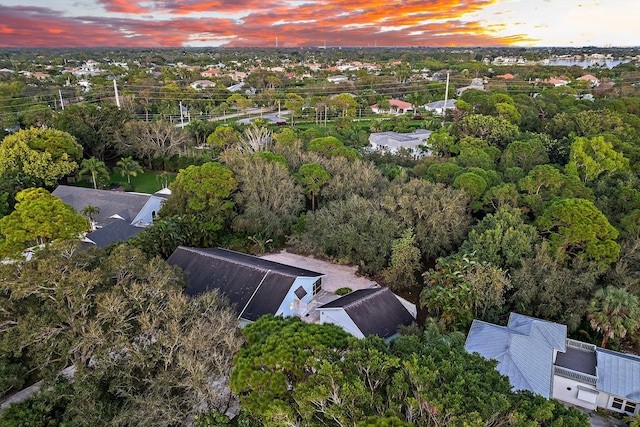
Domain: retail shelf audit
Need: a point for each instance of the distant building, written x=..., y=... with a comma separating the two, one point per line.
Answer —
x=202, y=84
x=337, y=79
x=439, y=107
x=593, y=81
x=396, y=106
x=476, y=83
x=393, y=141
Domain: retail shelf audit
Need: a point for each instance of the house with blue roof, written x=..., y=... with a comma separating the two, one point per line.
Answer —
x=537, y=356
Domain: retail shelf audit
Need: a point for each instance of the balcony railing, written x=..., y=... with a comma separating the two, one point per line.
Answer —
x=575, y=375
x=581, y=345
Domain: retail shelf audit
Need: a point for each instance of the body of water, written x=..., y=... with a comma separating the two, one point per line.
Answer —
x=608, y=63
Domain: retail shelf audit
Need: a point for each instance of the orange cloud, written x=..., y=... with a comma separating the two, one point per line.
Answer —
x=180, y=22
x=124, y=6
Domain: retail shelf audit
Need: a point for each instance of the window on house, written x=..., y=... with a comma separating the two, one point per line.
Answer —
x=623, y=405
x=617, y=403
x=630, y=407
x=317, y=286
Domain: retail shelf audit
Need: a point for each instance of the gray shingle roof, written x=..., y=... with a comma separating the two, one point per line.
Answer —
x=116, y=231
x=255, y=286
x=375, y=311
x=125, y=205
x=618, y=374
x=524, y=350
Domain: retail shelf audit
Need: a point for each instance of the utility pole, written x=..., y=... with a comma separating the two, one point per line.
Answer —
x=115, y=88
x=446, y=96
x=181, y=116
x=61, y=102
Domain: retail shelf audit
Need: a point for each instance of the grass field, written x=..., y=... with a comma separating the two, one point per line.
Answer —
x=143, y=183
x=146, y=182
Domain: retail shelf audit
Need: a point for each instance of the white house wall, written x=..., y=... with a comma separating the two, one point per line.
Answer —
x=145, y=215
x=340, y=318
x=411, y=308
x=566, y=390
x=603, y=400
x=289, y=307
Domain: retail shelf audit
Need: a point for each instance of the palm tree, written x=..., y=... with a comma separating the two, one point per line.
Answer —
x=128, y=167
x=90, y=212
x=95, y=168
x=614, y=312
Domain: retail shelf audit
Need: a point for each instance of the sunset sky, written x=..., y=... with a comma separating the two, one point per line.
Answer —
x=234, y=23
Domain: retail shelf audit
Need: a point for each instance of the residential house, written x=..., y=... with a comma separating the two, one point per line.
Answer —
x=365, y=312
x=393, y=141
x=537, y=356
x=202, y=84
x=237, y=76
x=476, y=83
x=439, y=107
x=556, y=81
x=593, y=81
x=337, y=79
x=121, y=214
x=236, y=87
x=255, y=286
x=212, y=72
x=396, y=106
x=507, y=76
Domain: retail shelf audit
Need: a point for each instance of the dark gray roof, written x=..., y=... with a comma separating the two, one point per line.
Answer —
x=618, y=374
x=578, y=360
x=524, y=349
x=116, y=231
x=125, y=205
x=375, y=311
x=255, y=286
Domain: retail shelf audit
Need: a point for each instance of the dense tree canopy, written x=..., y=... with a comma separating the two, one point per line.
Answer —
x=437, y=214
x=39, y=156
x=576, y=228
x=355, y=231
x=292, y=373
x=203, y=191
x=38, y=218
x=96, y=127
x=123, y=322
x=268, y=200
x=528, y=201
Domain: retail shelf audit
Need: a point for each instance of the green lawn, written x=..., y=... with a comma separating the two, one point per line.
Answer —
x=146, y=182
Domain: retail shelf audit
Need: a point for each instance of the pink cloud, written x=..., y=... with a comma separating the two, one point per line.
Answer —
x=350, y=22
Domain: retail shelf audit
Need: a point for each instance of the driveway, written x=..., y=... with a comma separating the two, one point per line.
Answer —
x=336, y=276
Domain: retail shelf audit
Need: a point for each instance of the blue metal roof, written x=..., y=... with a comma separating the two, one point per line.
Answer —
x=618, y=374
x=524, y=350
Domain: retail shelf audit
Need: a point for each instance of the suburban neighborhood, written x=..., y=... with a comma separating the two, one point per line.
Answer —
x=321, y=236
